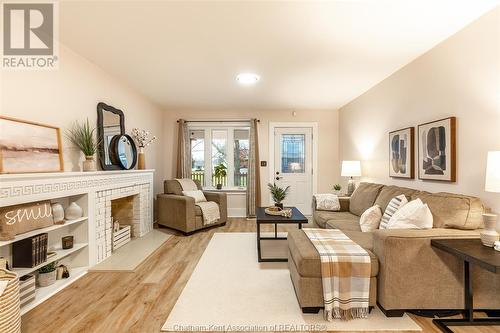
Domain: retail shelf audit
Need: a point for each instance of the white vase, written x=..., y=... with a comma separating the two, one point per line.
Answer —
x=489, y=235
x=73, y=212
x=57, y=212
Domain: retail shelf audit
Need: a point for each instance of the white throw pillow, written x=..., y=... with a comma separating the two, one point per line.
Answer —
x=370, y=219
x=197, y=195
x=413, y=215
x=393, y=206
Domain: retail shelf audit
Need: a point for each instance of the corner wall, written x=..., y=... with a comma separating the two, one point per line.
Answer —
x=459, y=77
x=71, y=93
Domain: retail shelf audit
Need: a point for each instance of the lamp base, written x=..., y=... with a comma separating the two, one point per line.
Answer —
x=350, y=187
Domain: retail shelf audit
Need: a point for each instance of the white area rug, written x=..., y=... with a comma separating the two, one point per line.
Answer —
x=230, y=291
x=132, y=254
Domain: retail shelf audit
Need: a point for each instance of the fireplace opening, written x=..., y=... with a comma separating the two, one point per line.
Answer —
x=124, y=214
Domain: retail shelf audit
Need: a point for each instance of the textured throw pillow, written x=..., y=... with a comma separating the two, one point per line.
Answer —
x=413, y=215
x=392, y=207
x=197, y=195
x=370, y=219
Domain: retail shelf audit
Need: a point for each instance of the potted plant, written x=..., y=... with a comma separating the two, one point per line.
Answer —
x=337, y=188
x=220, y=172
x=83, y=136
x=279, y=194
x=47, y=274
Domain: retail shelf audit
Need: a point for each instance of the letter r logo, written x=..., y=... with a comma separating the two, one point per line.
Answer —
x=28, y=29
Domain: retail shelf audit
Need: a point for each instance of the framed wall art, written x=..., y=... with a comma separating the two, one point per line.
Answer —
x=401, y=153
x=29, y=147
x=437, y=150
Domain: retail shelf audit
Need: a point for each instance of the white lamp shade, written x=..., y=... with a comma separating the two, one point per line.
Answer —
x=493, y=172
x=351, y=169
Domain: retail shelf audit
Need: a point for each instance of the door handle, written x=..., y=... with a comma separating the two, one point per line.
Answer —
x=278, y=177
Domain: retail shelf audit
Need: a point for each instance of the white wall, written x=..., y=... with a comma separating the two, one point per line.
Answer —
x=459, y=77
x=71, y=93
x=328, y=156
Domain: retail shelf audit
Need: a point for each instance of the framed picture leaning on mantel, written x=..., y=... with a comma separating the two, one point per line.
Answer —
x=401, y=153
x=437, y=150
x=27, y=146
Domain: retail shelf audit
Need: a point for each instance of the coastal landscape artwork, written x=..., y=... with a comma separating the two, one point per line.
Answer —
x=29, y=147
x=401, y=147
x=437, y=151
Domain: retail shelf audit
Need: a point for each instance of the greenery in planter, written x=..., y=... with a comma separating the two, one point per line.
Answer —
x=83, y=136
x=48, y=268
x=337, y=187
x=220, y=172
x=278, y=193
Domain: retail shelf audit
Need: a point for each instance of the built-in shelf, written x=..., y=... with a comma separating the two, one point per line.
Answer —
x=41, y=231
x=60, y=253
x=43, y=293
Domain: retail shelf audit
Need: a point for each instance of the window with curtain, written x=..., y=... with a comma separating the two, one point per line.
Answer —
x=220, y=146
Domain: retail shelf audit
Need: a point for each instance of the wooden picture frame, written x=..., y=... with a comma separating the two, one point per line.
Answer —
x=27, y=147
x=402, y=153
x=437, y=155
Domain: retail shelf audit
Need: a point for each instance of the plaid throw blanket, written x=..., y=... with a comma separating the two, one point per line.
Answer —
x=345, y=270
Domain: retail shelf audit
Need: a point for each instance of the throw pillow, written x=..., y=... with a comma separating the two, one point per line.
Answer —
x=197, y=195
x=370, y=219
x=392, y=207
x=413, y=215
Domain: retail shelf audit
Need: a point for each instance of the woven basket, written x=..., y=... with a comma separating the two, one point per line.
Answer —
x=10, y=316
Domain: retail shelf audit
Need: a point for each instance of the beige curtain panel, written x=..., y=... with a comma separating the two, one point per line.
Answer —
x=253, y=183
x=183, y=151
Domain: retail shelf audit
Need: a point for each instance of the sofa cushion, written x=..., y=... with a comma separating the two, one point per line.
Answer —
x=453, y=210
x=306, y=257
x=364, y=197
x=344, y=224
x=389, y=192
x=363, y=239
x=321, y=217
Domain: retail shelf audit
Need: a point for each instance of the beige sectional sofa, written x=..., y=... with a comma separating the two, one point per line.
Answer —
x=411, y=275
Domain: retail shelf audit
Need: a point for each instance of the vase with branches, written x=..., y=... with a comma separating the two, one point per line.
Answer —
x=143, y=139
x=83, y=136
x=220, y=172
x=278, y=194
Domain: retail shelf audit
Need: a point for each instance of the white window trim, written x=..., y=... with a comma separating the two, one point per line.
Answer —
x=208, y=128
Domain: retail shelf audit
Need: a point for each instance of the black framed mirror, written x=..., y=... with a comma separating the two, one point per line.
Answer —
x=123, y=151
x=110, y=122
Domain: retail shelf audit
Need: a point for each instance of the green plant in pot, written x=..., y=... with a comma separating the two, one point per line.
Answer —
x=220, y=172
x=47, y=274
x=337, y=188
x=278, y=193
x=83, y=136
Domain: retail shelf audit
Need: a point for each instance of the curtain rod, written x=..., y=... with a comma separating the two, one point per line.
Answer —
x=218, y=121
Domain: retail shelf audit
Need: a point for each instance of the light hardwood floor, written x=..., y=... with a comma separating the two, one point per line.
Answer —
x=141, y=301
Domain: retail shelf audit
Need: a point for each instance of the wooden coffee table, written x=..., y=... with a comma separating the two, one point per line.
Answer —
x=262, y=218
x=471, y=251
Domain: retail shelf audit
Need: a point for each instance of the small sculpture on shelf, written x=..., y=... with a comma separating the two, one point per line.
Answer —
x=73, y=212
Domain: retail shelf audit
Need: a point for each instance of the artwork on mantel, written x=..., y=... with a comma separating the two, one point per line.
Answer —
x=437, y=150
x=402, y=152
x=29, y=147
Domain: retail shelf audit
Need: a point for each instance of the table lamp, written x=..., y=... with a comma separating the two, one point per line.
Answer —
x=351, y=169
x=492, y=184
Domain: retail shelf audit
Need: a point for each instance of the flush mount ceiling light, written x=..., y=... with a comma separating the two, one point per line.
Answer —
x=247, y=79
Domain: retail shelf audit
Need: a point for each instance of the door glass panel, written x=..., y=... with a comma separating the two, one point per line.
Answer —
x=241, y=152
x=292, y=153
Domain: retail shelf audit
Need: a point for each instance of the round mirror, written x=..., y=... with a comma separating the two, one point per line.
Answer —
x=124, y=151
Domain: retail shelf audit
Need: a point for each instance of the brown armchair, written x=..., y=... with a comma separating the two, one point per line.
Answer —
x=179, y=212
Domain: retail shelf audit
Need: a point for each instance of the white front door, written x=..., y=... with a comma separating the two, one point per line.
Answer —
x=293, y=165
